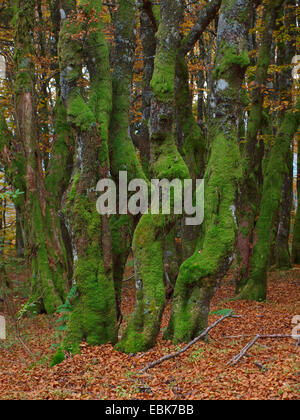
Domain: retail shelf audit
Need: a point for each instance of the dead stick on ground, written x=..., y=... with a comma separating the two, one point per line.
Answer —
x=243, y=352
x=130, y=278
x=184, y=349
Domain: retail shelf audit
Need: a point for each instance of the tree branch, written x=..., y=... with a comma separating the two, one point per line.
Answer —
x=184, y=349
x=243, y=352
x=208, y=12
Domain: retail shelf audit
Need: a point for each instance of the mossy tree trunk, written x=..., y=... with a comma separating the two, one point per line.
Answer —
x=14, y=168
x=48, y=281
x=250, y=196
x=149, y=27
x=122, y=152
x=189, y=136
x=94, y=315
x=19, y=234
x=201, y=79
x=57, y=180
x=277, y=168
x=296, y=232
x=190, y=140
x=199, y=274
x=166, y=163
x=282, y=256
x=285, y=53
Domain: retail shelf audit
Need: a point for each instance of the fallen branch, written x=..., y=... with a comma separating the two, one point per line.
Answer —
x=243, y=352
x=231, y=337
x=184, y=349
x=130, y=278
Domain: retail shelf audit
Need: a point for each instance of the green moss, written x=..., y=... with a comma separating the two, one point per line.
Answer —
x=296, y=230
x=296, y=236
x=164, y=75
x=80, y=113
x=119, y=224
x=122, y=228
x=156, y=13
x=94, y=314
x=48, y=287
x=148, y=251
x=58, y=358
x=23, y=21
x=72, y=193
x=169, y=163
x=231, y=57
x=163, y=79
x=189, y=321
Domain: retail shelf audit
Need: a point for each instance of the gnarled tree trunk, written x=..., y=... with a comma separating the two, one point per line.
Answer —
x=94, y=316
x=166, y=163
x=199, y=274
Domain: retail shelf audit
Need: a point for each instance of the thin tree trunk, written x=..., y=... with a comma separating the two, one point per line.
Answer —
x=47, y=280
x=148, y=29
x=191, y=143
x=285, y=54
x=296, y=232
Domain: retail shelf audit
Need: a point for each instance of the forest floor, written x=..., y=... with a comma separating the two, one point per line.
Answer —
x=270, y=370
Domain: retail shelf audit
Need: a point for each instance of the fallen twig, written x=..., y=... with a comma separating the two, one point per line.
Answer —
x=130, y=278
x=184, y=349
x=231, y=337
x=243, y=352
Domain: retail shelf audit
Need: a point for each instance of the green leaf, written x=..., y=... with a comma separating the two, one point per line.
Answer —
x=222, y=312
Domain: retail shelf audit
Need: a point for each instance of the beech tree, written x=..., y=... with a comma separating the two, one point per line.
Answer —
x=167, y=90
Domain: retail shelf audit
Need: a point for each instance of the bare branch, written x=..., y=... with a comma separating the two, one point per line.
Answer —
x=243, y=352
x=207, y=14
x=184, y=349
